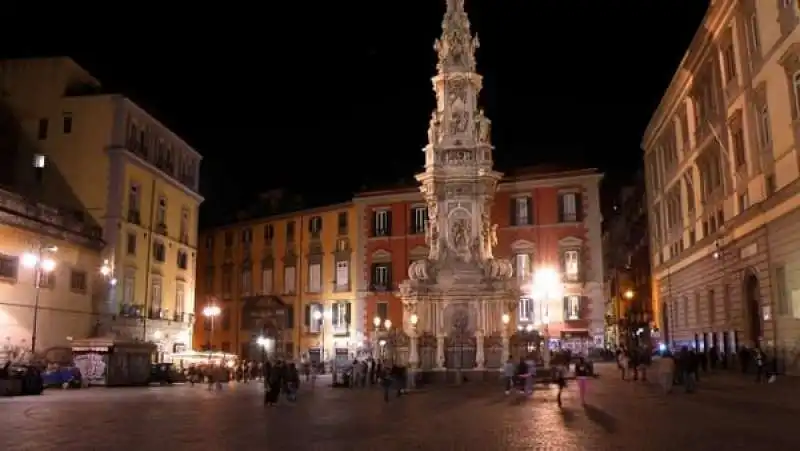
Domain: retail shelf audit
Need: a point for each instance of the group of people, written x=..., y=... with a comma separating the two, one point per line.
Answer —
x=523, y=375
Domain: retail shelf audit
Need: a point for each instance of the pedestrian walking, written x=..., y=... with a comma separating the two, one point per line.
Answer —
x=582, y=375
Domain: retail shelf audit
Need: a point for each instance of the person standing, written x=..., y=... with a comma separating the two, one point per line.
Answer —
x=561, y=380
x=582, y=374
x=508, y=374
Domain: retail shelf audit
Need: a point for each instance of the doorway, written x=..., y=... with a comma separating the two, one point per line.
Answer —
x=753, y=308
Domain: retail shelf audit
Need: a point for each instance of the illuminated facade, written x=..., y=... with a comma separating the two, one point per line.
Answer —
x=69, y=295
x=545, y=216
x=722, y=165
x=111, y=163
x=299, y=263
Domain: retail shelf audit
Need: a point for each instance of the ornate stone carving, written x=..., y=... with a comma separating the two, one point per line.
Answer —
x=433, y=129
x=483, y=127
x=459, y=121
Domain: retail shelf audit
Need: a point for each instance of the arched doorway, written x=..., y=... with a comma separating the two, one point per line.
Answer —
x=753, y=308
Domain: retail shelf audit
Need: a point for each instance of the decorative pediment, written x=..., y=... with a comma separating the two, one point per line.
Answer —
x=315, y=249
x=570, y=241
x=381, y=255
x=790, y=60
x=521, y=246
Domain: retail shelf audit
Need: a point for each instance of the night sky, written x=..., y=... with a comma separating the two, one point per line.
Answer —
x=325, y=98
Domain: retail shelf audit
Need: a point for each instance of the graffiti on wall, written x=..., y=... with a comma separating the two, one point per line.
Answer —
x=92, y=366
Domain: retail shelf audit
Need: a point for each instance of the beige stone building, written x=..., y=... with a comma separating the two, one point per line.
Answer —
x=722, y=161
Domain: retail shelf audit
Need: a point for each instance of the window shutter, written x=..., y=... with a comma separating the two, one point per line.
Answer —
x=389, y=223
x=412, y=216
x=389, y=276
x=579, y=206
x=310, y=224
x=566, y=308
x=374, y=223
x=373, y=274
x=347, y=312
x=307, y=315
x=563, y=257
x=530, y=210
x=512, y=210
x=560, y=208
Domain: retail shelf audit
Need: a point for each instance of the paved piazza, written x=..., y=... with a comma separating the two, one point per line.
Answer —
x=727, y=413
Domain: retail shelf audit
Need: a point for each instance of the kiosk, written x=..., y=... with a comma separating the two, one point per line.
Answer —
x=109, y=362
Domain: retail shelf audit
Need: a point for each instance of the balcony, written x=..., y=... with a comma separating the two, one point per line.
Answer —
x=341, y=288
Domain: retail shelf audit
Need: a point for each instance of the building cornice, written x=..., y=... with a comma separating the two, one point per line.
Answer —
x=279, y=217
x=164, y=129
x=692, y=59
x=18, y=212
x=135, y=159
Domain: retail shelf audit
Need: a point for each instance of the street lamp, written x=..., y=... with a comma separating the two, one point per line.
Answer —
x=320, y=317
x=387, y=324
x=211, y=312
x=628, y=294
x=376, y=321
x=41, y=264
x=263, y=343
x=546, y=286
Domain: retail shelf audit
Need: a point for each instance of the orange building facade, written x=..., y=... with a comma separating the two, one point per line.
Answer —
x=545, y=220
x=287, y=278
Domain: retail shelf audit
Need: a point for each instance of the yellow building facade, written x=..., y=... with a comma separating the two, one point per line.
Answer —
x=289, y=278
x=68, y=293
x=110, y=162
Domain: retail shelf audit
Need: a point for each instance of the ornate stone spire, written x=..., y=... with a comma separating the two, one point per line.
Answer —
x=456, y=47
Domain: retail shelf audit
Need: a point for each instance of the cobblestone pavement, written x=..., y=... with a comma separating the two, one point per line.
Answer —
x=619, y=416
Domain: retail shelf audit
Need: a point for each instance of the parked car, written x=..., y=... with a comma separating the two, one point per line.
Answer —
x=63, y=377
x=21, y=380
x=165, y=373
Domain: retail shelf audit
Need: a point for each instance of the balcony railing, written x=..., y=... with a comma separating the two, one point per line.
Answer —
x=22, y=209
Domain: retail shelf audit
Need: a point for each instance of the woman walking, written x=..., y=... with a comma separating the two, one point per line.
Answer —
x=582, y=373
x=560, y=379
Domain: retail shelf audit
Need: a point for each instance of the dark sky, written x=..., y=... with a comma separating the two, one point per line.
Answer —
x=326, y=97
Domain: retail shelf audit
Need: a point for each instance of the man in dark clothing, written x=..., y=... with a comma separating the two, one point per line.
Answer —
x=689, y=366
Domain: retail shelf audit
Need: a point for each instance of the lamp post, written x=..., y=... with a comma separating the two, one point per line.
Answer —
x=387, y=324
x=211, y=312
x=377, y=323
x=546, y=286
x=42, y=264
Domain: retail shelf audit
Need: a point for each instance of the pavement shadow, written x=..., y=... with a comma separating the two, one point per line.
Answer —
x=601, y=418
x=567, y=416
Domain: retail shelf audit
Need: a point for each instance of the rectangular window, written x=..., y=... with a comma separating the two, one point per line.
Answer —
x=382, y=311
x=526, y=310
x=159, y=252
x=419, y=217
x=42, y=131
x=572, y=265
x=342, y=274
x=247, y=236
x=269, y=233
x=8, y=267
x=67, y=123
x=573, y=307
x=161, y=212
x=522, y=267
x=569, y=207
x=382, y=223
x=128, y=288
x=227, y=282
x=737, y=142
x=247, y=281
x=180, y=302
x=266, y=280
x=183, y=260
x=130, y=244
x=77, y=281
x=339, y=318
x=289, y=280
x=314, y=278
x=290, y=231
x=156, y=299
x=315, y=226
x=381, y=276
x=184, y=226
x=521, y=211
x=764, y=131
x=314, y=324
x=753, y=38
x=712, y=307
x=341, y=222
x=133, y=199
x=729, y=60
